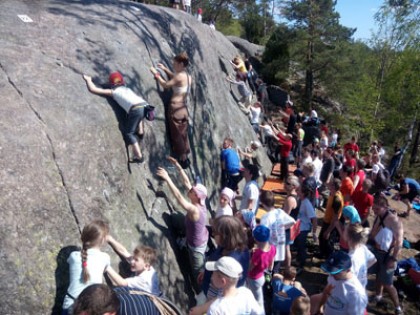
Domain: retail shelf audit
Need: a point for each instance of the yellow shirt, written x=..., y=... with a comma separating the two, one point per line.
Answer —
x=329, y=211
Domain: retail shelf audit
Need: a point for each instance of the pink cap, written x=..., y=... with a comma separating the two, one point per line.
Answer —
x=201, y=192
x=229, y=193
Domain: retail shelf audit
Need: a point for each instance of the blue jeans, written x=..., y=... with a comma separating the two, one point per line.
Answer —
x=134, y=117
x=256, y=285
x=300, y=243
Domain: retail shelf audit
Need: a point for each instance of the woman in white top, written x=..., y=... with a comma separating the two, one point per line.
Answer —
x=180, y=82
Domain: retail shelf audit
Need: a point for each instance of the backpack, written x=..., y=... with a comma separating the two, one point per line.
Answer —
x=383, y=178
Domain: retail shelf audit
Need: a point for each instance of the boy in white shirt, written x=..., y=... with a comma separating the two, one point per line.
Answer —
x=141, y=262
x=344, y=295
x=235, y=301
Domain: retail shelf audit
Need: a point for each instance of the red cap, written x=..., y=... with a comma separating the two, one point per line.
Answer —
x=115, y=78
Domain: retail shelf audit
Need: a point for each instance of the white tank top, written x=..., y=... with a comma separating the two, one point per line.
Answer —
x=126, y=98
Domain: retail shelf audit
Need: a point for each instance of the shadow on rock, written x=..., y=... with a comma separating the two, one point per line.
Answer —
x=62, y=277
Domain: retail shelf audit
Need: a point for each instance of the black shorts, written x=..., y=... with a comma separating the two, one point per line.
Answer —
x=412, y=194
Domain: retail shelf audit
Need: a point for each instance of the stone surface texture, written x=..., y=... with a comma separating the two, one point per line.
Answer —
x=63, y=159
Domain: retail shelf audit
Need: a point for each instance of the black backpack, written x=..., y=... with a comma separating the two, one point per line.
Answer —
x=383, y=178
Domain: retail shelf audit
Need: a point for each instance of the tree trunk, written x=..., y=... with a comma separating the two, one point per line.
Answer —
x=414, y=152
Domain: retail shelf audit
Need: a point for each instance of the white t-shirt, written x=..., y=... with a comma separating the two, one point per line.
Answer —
x=376, y=167
x=250, y=192
x=267, y=130
x=276, y=220
x=306, y=160
x=360, y=259
x=243, y=303
x=126, y=98
x=255, y=114
x=347, y=298
x=97, y=261
x=224, y=211
x=148, y=281
x=317, y=168
x=187, y=2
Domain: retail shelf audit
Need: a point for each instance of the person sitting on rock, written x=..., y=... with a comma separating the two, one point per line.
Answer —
x=408, y=191
x=132, y=103
x=141, y=263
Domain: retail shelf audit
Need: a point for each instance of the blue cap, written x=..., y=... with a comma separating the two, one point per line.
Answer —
x=351, y=213
x=337, y=262
x=261, y=233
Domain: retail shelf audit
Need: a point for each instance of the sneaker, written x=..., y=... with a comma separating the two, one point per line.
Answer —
x=398, y=311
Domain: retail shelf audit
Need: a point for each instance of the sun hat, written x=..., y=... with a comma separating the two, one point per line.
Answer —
x=337, y=262
x=116, y=78
x=229, y=193
x=249, y=217
x=261, y=233
x=256, y=143
x=227, y=265
x=201, y=192
x=351, y=213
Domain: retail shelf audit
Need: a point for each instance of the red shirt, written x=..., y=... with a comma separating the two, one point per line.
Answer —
x=351, y=146
x=286, y=146
x=362, y=202
x=362, y=176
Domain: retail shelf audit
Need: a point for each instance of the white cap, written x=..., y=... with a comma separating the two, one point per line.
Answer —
x=226, y=265
x=256, y=143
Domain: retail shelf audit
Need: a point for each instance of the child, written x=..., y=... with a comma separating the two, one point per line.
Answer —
x=134, y=105
x=301, y=306
x=87, y=266
x=226, y=272
x=262, y=258
x=227, y=196
x=285, y=291
x=141, y=264
x=361, y=257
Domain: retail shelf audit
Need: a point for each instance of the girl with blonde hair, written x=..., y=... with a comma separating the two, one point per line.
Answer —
x=87, y=265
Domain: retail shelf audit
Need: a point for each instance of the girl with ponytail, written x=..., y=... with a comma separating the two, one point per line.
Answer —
x=361, y=257
x=88, y=265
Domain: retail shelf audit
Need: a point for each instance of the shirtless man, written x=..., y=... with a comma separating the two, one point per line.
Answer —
x=387, y=237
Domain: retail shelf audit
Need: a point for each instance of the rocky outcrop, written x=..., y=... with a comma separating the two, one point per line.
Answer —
x=63, y=160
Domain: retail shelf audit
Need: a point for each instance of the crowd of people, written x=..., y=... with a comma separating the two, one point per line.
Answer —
x=243, y=262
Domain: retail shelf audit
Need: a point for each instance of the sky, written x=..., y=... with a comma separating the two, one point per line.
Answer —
x=359, y=13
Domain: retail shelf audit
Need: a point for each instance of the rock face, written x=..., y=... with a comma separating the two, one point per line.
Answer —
x=63, y=159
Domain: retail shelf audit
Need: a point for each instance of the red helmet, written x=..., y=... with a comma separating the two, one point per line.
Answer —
x=115, y=78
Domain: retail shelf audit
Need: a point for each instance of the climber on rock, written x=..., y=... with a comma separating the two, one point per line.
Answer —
x=134, y=105
x=180, y=82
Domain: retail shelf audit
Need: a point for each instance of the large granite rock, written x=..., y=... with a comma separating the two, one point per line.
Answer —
x=63, y=160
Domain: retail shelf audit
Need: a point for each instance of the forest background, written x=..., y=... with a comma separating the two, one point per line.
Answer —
x=375, y=81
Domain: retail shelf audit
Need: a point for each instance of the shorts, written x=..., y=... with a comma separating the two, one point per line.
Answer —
x=412, y=194
x=288, y=240
x=175, y=1
x=385, y=276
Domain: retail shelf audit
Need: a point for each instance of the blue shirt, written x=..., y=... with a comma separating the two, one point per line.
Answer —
x=306, y=213
x=231, y=159
x=283, y=296
x=412, y=184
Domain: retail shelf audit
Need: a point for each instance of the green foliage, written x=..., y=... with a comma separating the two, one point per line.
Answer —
x=233, y=28
x=276, y=57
